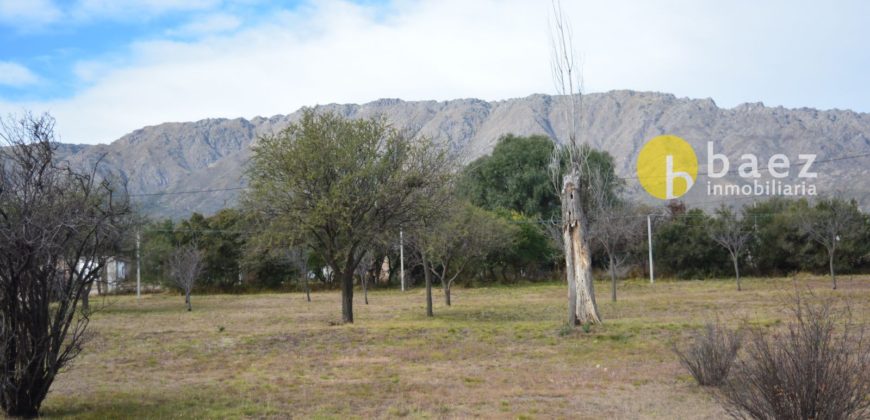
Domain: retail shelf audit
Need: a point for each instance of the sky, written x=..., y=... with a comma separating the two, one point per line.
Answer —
x=104, y=68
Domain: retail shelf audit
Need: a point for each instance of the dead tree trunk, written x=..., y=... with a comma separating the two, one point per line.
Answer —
x=578, y=261
x=831, y=266
x=187, y=300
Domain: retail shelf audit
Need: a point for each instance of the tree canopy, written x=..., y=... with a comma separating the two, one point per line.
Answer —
x=342, y=184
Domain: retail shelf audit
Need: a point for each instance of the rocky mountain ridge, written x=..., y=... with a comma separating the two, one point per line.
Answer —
x=164, y=164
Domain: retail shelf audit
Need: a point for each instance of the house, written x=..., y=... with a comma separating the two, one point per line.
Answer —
x=113, y=275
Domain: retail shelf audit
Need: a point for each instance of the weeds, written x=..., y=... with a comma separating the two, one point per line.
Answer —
x=817, y=368
x=711, y=353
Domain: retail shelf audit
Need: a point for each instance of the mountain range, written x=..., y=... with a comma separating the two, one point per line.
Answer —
x=174, y=169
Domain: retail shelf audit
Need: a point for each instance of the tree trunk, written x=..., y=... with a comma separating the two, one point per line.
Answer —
x=307, y=288
x=28, y=384
x=347, y=296
x=86, y=293
x=445, y=286
x=187, y=299
x=612, y=280
x=736, y=271
x=831, y=265
x=578, y=261
x=22, y=406
x=428, y=276
x=365, y=285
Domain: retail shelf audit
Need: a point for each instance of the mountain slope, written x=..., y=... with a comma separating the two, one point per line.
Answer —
x=173, y=158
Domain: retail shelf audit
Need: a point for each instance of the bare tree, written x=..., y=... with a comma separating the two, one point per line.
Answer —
x=614, y=221
x=582, y=308
x=831, y=221
x=728, y=231
x=57, y=227
x=185, y=266
x=617, y=224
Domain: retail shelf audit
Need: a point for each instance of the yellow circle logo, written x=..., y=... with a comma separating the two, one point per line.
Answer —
x=667, y=167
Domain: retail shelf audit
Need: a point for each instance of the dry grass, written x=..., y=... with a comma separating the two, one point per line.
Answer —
x=497, y=352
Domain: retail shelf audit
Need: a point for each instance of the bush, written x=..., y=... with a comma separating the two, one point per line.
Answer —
x=818, y=368
x=711, y=353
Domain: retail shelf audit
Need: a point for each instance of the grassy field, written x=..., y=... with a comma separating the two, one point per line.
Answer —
x=497, y=352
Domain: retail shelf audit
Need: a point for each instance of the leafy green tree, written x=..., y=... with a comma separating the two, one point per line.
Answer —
x=342, y=184
x=530, y=248
x=466, y=235
x=684, y=247
x=223, y=245
x=516, y=177
x=271, y=256
x=220, y=237
x=778, y=246
x=516, y=181
x=834, y=224
x=158, y=243
x=513, y=177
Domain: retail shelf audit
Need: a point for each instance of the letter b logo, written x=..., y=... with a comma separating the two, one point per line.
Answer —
x=667, y=167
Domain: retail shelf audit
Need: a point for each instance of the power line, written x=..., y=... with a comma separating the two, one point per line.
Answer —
x=211, y=190
x=187, y=192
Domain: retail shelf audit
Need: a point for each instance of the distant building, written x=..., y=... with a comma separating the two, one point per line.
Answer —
x=113, y=275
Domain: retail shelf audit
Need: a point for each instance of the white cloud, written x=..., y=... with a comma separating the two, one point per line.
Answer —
x=336, y=51
x=207, y=25
x=328, y=52
x=28, y=13
x=16, y=75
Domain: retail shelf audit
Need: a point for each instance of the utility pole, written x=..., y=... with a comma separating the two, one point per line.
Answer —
x=402, y=258
x=138, y=268
x=652, y=277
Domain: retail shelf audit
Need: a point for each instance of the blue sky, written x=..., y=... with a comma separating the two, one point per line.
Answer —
x=106, y=67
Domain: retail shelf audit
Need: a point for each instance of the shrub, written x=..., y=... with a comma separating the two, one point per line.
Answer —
x=817, y=368
x=711, y=353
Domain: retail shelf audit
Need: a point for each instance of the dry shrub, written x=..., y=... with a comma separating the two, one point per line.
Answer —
x=818, y=367
x=711, y=353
